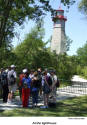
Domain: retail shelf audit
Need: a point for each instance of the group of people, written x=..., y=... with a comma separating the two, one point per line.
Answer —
x=34, y=84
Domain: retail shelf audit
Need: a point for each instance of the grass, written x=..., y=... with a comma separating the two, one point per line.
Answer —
x=73, y=107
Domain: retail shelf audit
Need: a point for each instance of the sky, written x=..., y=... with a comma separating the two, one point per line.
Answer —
x=75, y=29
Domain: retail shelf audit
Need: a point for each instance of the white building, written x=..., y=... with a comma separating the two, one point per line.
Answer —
x=58, y=38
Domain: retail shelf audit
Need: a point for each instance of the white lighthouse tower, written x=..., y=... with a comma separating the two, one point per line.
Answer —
x=58, y=38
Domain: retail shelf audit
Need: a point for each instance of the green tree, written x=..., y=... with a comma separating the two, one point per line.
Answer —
x=68, y=2
x=68, y=42
x=27, y=51
x=15, y=12
x=83, y=6
x=82, y=60
x=82, y=55
x=7, y=57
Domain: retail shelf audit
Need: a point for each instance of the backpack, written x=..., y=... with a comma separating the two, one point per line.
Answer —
x=49, y=80
x=58, y=83
x=25, y=84
x=39, y=80
x=4, y=78
x=12, y=79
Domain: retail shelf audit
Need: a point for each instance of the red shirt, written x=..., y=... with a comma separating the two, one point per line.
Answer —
x=20, y=79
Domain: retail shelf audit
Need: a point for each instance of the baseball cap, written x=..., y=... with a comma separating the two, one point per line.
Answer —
x=24, y=70
x=13, y=66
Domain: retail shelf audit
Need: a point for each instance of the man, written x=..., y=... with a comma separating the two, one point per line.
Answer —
x=11, y=82
x=4, y=83
x=40, y=80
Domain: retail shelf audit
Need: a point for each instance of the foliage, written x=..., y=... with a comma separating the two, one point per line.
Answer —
x=84, y=72
x=82, y=55
x=82, y=61
x=15, y=12
x=7, y=57
x=83, y=6
x=62, y=66
x=79, y=70
x=32, y=53
x=68, y=2
x=68, y=42
x=29, y=49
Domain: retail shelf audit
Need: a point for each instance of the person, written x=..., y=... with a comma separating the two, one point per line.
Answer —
x=39, y=73
x=26, y=82
x=46, y=89
x=46, y=70
x=31, y=75
x=11, y=82
x=35, y=89
x=4, y=83
x=21, y=76
x=53, y=87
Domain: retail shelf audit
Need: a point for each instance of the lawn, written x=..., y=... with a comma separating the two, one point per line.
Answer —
x=71, y=107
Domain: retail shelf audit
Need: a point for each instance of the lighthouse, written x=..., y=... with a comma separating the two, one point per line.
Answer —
x=58, y=43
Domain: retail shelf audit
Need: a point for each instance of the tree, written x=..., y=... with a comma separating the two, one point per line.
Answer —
x=82, y=55
x=27, y=51
x=83, y=6
x=33, y=53
x=14, y=12
x=68, y=41
x=7, y=57
x=68, y=2
x=82, y=60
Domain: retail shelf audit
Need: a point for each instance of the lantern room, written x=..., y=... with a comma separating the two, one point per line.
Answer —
x=59, y=15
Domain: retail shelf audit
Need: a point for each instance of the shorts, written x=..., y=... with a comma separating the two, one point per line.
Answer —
x=12, y=88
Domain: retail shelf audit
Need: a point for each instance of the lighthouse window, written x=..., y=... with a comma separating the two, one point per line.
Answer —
x=58, y=21
x=60, y=13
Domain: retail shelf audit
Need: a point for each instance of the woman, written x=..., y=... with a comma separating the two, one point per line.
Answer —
x=35, y=89
x=46, y=88
x=54, y=89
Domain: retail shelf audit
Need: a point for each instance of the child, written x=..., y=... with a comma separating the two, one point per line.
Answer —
x=26, y=89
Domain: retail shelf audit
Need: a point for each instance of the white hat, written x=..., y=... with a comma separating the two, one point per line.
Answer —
x=24, y=70
x=12, y=66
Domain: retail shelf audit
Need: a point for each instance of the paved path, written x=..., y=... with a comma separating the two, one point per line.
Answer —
x=17, y=103
x=63, y=93
x=78, y=79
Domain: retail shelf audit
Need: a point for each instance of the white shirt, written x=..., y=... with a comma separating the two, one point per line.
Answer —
x=10, y=73
x=54, y=78
x=31, y=76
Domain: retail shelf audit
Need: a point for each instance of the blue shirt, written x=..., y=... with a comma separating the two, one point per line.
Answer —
x=26, y=81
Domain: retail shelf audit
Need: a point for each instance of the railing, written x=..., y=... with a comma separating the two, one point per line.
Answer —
x=75, y=87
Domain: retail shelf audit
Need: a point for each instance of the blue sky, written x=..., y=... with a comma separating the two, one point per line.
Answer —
x=76, y=27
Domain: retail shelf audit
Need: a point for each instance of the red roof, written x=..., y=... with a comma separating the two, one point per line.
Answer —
x=60, y=10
